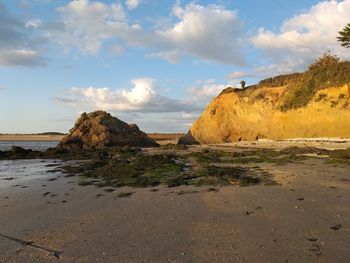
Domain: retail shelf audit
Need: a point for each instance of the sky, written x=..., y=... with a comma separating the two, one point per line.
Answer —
x=156, y=63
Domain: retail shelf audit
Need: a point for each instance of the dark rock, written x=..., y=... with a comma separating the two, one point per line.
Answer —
x=100, y=129
x=188, y=139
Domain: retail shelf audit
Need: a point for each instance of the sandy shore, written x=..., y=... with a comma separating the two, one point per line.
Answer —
x=305, y=219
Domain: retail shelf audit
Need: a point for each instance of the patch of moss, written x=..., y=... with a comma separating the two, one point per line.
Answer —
x=127, y=194
x=179, y=147
x=253, y=156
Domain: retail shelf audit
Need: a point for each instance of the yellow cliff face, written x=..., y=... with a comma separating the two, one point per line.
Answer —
x=257, y=114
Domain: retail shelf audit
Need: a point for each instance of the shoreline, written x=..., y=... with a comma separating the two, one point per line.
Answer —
x=161, y=137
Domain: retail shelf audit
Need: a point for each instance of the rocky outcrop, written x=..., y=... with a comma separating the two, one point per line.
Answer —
x=99, y=129
x=260, y=112
x=188, y=139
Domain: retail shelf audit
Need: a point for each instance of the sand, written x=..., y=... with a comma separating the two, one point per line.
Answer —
x=305, y=219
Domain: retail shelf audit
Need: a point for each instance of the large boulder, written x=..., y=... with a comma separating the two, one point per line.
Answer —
x=100, y=129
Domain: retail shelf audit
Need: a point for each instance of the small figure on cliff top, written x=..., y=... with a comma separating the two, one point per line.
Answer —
x=242, y=84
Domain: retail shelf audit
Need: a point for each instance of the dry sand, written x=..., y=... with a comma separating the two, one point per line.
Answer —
x=305, y=219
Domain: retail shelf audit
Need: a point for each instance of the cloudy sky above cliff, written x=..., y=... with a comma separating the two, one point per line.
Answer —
x=154, y=63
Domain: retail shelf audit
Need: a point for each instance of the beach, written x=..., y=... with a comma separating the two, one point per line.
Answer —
x=306, y=218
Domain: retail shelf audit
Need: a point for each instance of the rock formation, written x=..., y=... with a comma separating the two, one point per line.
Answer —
x=302, y=105
x=99, y=129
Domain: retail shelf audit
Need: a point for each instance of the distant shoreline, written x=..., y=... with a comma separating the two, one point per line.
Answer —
x=45, y=138
x=25, y=138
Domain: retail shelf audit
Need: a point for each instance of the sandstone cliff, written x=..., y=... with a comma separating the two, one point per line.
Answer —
x=99, y=129
x=303, y=105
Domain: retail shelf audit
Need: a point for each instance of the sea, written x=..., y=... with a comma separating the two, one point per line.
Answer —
x=18, y=172
x=33, y=145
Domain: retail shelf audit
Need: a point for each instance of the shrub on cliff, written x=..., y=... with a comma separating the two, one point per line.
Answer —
x=327, y=59
x=325, y=72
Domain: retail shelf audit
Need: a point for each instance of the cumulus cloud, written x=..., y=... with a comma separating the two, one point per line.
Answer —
x=210, y=32
x=16, y=47
x=86, y=24
x=306, y=36
x=144, y=104
x=206, y=92
x=143, y=97
x=132, y=4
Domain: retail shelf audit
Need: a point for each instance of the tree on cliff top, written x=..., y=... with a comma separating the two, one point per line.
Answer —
x=327, y=59
x=344, y=36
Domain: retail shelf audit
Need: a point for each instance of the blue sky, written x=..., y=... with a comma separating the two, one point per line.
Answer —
x=154, y=63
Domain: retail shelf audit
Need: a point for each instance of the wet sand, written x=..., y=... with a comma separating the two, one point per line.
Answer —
x=305, y=219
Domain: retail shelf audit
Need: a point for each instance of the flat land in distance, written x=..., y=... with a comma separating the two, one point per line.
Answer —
x=29, y=137
x=161, y=138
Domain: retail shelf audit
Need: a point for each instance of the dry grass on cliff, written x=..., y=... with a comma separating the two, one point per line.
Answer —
x=303, y=89
x=300, y=87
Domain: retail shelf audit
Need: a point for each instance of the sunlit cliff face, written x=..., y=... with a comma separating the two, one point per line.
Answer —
x=257, y=115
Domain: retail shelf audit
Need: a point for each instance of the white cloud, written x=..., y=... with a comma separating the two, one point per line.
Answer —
x=143, y=97
x=132, y=4
x=306, y=36
x=2, y=88
x=208, y=32
x=205, y=93
x=16, y=47
x=144, y=105
x=211, y=33
x=87, y=24
x=20, y=57
x=34, y=23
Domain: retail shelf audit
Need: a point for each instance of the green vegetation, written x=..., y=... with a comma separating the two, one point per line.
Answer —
x=127, y=194
x=321, y=76
x=281, y=80
x=119, y=167
x=175, y=147
x=344, y=36
x=136, y=169
x=327, y=71
x=50, y=133
x=285, y=156
x=326, y=60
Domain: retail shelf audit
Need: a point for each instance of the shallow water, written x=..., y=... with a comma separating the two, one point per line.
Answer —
x=33, y=145
x=14, y=172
